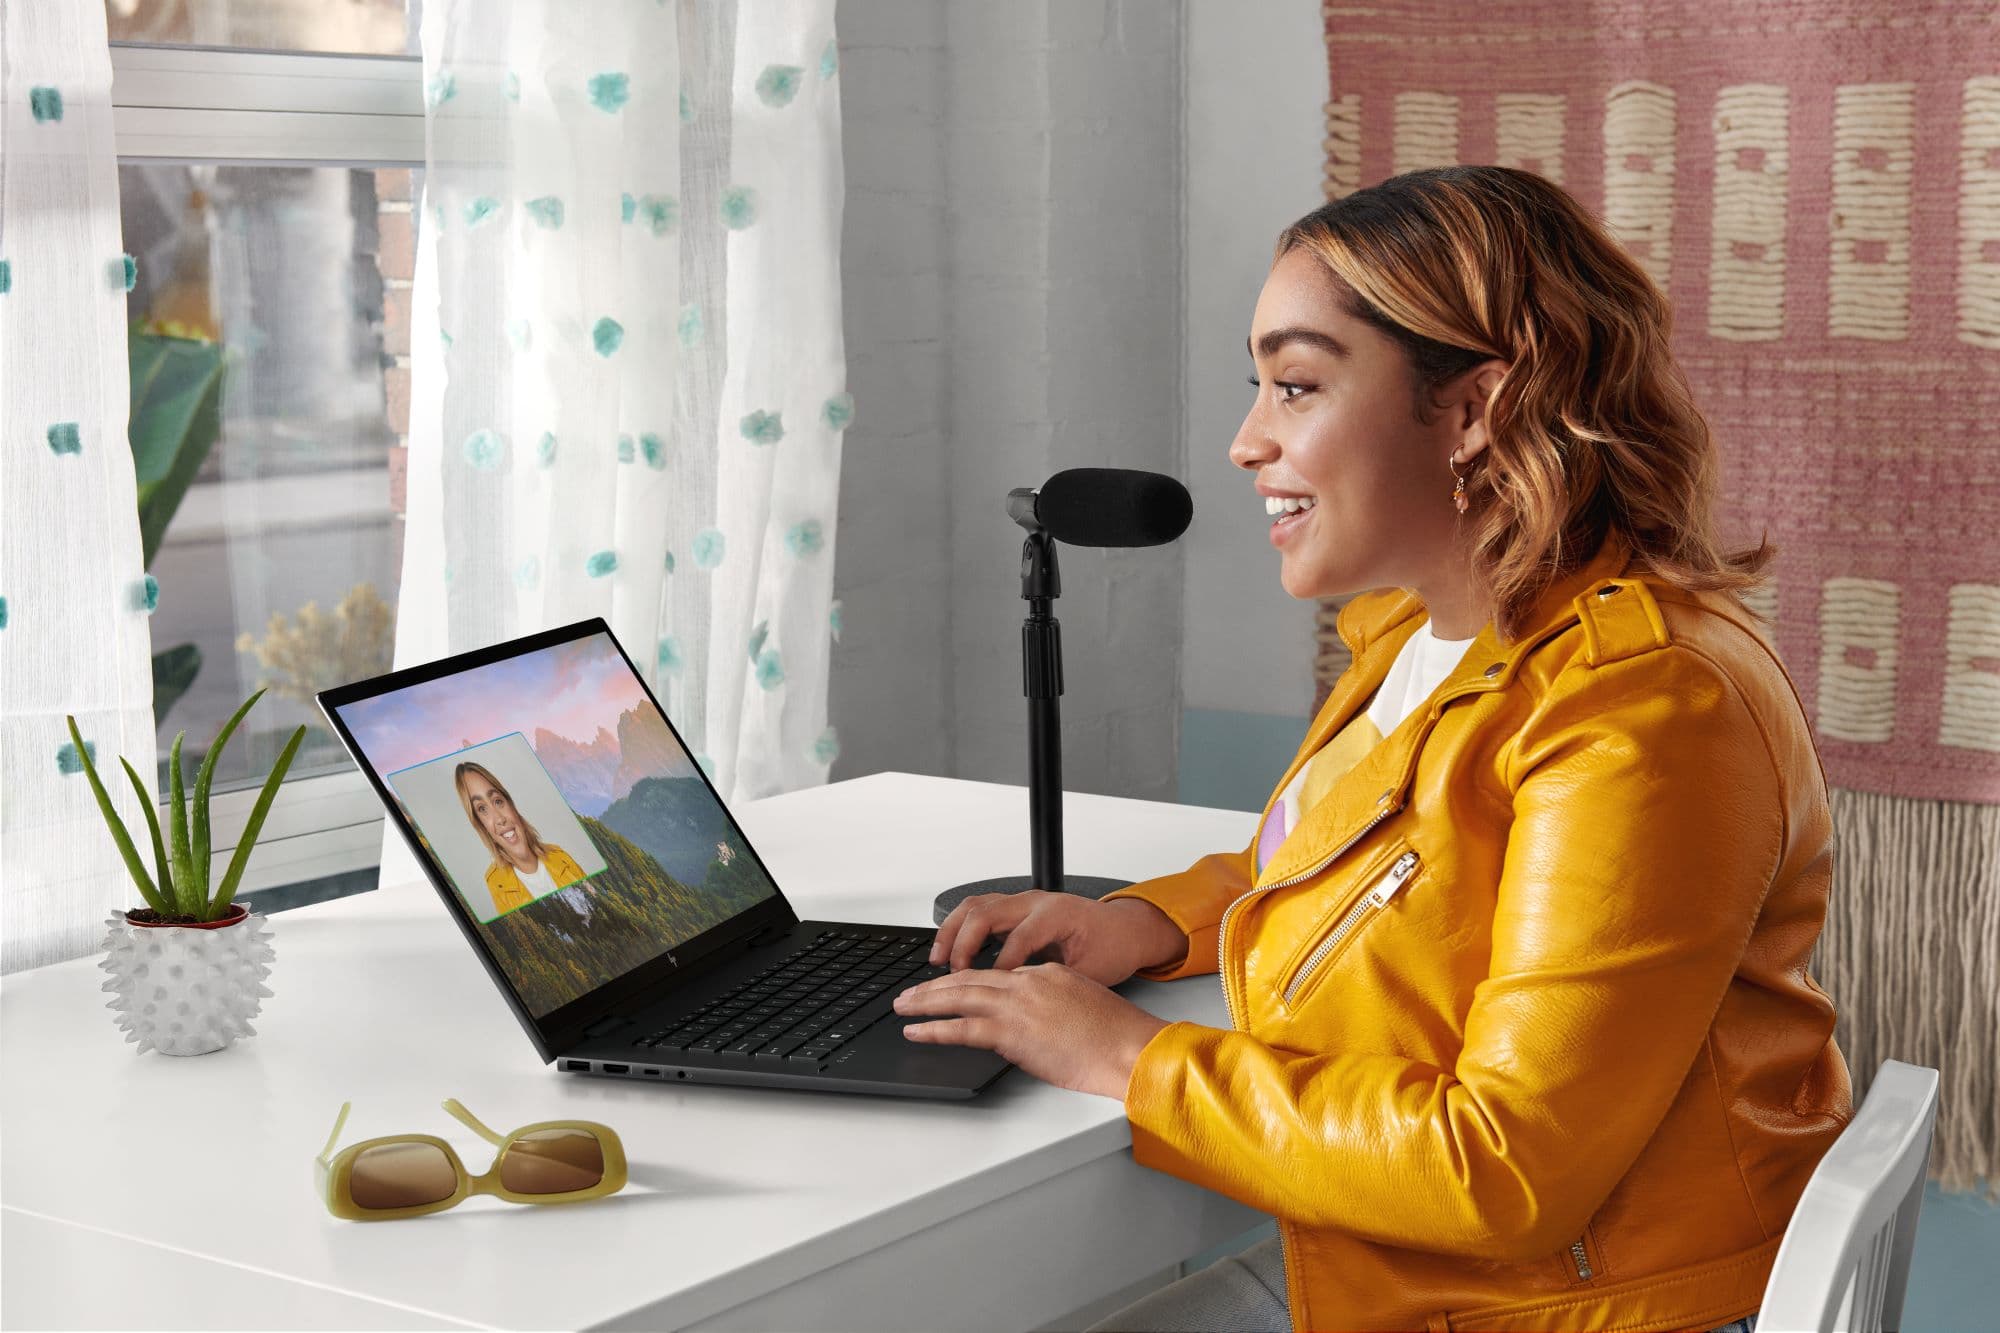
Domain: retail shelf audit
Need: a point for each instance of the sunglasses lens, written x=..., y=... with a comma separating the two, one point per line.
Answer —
x=552, y=1161
x=401, y=1175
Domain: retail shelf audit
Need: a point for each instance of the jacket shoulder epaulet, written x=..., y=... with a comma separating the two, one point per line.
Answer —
x=1620, y=619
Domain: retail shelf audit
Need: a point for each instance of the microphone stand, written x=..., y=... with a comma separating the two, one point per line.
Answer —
x=1041, y=682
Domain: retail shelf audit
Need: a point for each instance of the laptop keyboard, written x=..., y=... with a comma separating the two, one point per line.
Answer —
x=800, y=1010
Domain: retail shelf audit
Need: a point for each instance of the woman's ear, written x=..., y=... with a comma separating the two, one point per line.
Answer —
x=1478, y=385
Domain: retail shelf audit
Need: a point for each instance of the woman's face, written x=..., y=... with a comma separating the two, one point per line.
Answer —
x=497, y=816
x=1332, y=425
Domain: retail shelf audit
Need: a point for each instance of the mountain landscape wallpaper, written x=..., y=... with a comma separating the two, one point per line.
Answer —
x=676, y=866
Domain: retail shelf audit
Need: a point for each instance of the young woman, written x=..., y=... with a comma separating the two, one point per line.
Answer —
x=524, y=867
x=1521, y=1032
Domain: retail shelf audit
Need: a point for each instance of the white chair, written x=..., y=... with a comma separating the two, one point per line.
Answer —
x=1844, y=1264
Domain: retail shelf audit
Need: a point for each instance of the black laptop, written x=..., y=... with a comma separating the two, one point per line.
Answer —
x=611, y=895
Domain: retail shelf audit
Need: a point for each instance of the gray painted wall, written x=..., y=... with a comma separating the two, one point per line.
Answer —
x=1012, y=276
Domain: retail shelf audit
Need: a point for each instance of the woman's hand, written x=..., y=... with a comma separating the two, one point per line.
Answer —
x=1051, y=1020
x=1104, y=941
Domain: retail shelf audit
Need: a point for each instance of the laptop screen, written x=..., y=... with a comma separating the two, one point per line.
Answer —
x=551, y=795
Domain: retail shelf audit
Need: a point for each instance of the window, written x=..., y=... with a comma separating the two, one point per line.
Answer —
x=266, y=197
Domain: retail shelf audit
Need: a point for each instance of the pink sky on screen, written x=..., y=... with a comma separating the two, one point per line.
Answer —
x=571, y=689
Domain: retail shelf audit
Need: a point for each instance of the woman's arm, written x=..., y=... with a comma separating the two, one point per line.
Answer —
x=1194, y=900
x=1648, y=823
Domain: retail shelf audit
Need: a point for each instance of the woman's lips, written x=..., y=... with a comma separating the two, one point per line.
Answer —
x=511, y=834
x=1284, y=528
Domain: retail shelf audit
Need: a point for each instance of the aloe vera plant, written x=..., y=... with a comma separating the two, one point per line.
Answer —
x=181, y=857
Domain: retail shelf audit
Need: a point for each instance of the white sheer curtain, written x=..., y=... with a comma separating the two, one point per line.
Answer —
x=629, y=380
x=74, y=636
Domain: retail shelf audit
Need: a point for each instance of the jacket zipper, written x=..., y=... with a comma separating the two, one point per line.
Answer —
x=1582, y=1259
x=1222, y=936
x=1385, y=888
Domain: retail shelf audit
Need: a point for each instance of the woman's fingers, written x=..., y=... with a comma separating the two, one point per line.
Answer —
x=976, y=912
x=1034, y=932
x=988, y=914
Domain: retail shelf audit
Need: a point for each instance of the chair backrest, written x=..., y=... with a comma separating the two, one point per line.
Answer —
x=1844, y=1264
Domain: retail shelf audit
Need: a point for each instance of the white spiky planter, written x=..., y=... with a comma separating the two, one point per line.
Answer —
x=189, y=989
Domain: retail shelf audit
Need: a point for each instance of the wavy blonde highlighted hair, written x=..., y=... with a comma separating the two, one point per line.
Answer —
x=1593, y=427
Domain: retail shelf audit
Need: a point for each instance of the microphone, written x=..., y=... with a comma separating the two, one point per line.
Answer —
x=1104, y=506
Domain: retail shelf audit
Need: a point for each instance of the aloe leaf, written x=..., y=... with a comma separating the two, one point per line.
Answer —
x=146, y=799
x=256, y=824
x=117, y=825
x=184, y=880
x=202, y=780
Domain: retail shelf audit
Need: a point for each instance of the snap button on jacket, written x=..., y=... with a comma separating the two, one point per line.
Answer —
x=1523, y=1036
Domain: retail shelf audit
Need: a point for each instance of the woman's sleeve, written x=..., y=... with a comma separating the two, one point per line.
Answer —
x=1648, y=823
x=1194, y=899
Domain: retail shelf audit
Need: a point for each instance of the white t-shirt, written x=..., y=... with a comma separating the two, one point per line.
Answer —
x=537, y=881
x=1421, y=666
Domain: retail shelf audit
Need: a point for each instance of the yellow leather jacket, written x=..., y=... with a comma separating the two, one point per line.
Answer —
x=504, y=882
x=1523, y=1036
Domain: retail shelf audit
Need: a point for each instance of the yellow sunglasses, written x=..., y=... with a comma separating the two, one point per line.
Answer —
x=403, y=1175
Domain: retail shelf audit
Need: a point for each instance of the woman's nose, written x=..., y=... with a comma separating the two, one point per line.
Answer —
x=1253, y=446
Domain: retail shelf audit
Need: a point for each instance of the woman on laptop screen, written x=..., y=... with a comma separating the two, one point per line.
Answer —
x=524, y=867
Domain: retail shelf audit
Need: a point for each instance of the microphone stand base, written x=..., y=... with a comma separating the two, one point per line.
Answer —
x=1083, y=886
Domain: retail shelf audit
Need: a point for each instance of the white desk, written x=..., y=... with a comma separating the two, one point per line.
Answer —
x=747, y=1208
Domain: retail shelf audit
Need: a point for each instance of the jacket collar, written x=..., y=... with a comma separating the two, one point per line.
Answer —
x=1375, y=634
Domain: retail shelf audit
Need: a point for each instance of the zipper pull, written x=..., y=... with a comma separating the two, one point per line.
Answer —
x=1392, y=883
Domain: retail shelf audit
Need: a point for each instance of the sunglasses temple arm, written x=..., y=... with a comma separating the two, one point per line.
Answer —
x=340, y=1120
x=457, y=1108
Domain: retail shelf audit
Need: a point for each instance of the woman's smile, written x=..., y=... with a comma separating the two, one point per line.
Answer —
x=1288, y=513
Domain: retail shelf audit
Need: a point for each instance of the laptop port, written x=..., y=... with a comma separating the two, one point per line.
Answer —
x=577, y=1066
x=649, y=1071
x=617, y=1069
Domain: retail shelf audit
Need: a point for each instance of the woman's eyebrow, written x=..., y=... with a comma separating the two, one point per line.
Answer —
x=1276, y=338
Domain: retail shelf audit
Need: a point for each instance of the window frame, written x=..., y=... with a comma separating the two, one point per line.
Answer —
x=210, y=105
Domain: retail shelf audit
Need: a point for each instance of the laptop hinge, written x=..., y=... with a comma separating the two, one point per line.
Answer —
x=609, y=1023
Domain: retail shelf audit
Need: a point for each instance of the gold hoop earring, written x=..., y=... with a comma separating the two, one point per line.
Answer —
x=1459, y=499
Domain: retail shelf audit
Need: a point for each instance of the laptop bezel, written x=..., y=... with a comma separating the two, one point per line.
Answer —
x=564, y=1027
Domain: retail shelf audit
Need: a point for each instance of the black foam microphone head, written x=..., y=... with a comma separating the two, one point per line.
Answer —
x=1113, y=506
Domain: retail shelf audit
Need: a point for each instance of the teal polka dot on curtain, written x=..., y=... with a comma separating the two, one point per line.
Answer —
x=778, y=84
x=3, y=611
x=661, y=211
x=669, y=656
x=528, y=573
x=547, y=212
x=654, y=449
x=146, y=595
x=827, y=748
x=804, y=539
x=738, y=207
x=480, y=210
x=839, y=411
x=545, y=451
x=690, y=324
x=6, y=276
x=606, y=335
x=601, y=563
x=762, y=427
x=628, y=207
x=483, y=448
x=67, y=759
x=829, y=61
x=758, y=634
x=124, y=273
x=707, y=764
x=707, y=548
x=770, y=671
x=833, y=619
x=687, y=108
x=609, y=91
x=670, y=569
x=510, y=87
x=443, y=86
x=46, y=104
x=64, y=438
x=625, y=449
